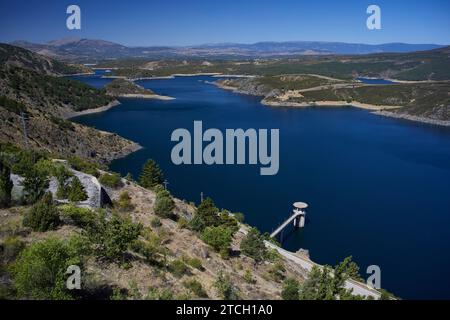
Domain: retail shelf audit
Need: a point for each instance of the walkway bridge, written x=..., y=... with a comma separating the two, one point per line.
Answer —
x=298, y=216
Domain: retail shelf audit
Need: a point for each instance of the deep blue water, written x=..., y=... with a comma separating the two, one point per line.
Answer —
x=378, y=188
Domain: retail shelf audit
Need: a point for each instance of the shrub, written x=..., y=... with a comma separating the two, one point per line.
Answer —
x=178, y=268
x=248, y=277
x=277, y=271
x=39, y=272
x=195, y=287
x=155, y=294
x=182, y=223
x=10, y=249
x=226, y=219
x=35, y=185
x=80, y=217
x=239, y=217
x=84, y=166
x=13, y=227
x=133, y=291
x=219, y=238
x=273, y=255
x=146, y=249
x=164, y=204
x=43, y=215
x=266, y=236
x=124, y=202
x=118, y=294
x=113, y=237
x=225, y=289
x=20, y=161
x=193, y=262
x=112, y=180
x=151, y=175
x=253, y=245
x=45, y=166
x=155, y=223
x=291, y=289
x=6, y=185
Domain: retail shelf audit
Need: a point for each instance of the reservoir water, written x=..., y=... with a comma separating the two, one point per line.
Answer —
x=378, y=188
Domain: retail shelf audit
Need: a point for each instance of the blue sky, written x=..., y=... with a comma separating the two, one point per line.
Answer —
x=186, y=22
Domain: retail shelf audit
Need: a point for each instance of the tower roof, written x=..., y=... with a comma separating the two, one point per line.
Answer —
x=300, y=205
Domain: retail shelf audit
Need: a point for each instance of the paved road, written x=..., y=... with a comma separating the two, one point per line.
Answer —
x=359, y=288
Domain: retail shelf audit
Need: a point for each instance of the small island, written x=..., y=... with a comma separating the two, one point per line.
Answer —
x=123, y=88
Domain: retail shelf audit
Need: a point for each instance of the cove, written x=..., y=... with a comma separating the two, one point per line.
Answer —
x=377, y=188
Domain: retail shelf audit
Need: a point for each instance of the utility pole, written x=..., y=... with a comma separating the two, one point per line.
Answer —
x=24, y=117
x=165, y=184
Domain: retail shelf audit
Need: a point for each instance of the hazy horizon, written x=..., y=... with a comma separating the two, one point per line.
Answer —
x=227, y=43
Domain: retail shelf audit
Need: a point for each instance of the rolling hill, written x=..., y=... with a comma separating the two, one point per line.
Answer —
x=33, y=84
x=88, y=49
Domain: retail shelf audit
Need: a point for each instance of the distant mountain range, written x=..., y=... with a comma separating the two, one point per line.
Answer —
x=88, y=49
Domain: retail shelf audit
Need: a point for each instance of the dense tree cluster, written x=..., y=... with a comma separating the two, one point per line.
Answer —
x=47, y=89
x=324, y=283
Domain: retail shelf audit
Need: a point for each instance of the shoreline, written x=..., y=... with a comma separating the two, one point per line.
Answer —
x=131, y=148
x=374, y=109
x=78, y=74
x=382, y=110
x=413, y=118
x=134, y=147
x=145, y=96
x=355, y=104
x=172, y=76
x=233, y=76
x=73, y=114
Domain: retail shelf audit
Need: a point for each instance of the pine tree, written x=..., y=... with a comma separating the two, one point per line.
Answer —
x=253, y=245
x=205, y=216
x=76, y=191
x=62, y=174
x=151, y=175
x=35, y=185
x=6, y=185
